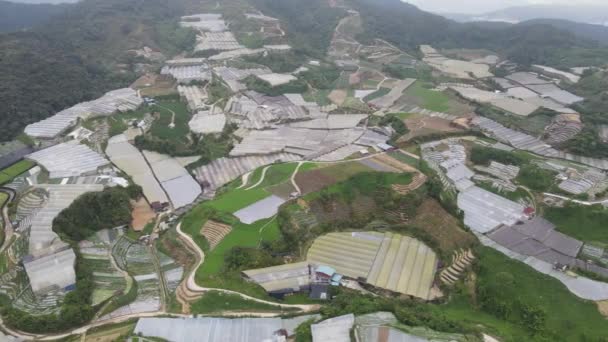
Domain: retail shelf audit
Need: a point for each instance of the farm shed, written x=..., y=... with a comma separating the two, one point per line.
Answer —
x=232, y=76
x=485, y=211
x=194, y=95
x=282, y=279
x=211, y=329
x=119, y=100
x=52, y=271
x=181, y=188
x=128, y=158
x=211, y=22
x=393, y=95
x=337, y=121
x=335, y=329
x=526, y=79
x=207, y=123
x=220, y=41
x=69, y=159
x=187, y=73
x=389, y=261
x=261, y=209
x=552, y=72
x=222, y=56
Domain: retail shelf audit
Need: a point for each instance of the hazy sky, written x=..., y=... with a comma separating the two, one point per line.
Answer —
x=481, y=6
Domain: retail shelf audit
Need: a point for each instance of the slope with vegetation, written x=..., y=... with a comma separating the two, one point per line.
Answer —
x=74, y=57
x=17, y=16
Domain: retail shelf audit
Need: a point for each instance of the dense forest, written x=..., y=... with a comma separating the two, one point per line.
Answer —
x=16, y=16
x=74, y=56
x=95, y=211
x=408, y=27
x=309, y=24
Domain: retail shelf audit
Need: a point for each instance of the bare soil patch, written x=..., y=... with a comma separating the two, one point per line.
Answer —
x=142, y=214
x=425, y=125
x=445, y=228
x=338, y=96
x=313, y=180
x=602, y=306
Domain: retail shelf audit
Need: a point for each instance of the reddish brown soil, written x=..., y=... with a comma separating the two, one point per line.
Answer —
x=142, y=214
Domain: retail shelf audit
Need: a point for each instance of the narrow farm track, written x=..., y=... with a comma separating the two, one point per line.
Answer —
x=245, y=180
x=261, y=178
x=293, y=178
x=8, y=227
x=192, y=286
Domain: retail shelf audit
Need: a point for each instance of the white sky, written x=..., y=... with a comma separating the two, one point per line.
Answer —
x=482, y=6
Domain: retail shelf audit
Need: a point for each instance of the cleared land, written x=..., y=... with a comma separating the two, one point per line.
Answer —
x=141, y=214
x=315, y=180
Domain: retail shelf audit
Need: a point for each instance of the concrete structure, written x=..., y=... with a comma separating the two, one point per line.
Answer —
x=69, y=159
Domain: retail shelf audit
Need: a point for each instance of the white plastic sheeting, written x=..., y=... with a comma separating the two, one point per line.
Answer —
x=69, y=159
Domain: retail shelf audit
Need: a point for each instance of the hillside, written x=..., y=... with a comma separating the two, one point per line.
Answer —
x=73, y=57
x=408, y=27
x=16, y=16
x=581, y=13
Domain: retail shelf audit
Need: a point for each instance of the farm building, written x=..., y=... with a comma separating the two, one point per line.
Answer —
x=526, y=78
x=55, y=271
x=128, y=158
x=283, y=279
x=69, y=159
x=232, y=76
x=210, y=22
x=181, y=188
x=336, y=329
x=195, y=96
x=223, y=170
x=205, y=122
x=485, y=211
x=582, y=183
x=337, y=121
x=385, y=260
x=60, y=197
x=552, y=72
x=231, y=54
x=538, y=238
x=187, y=73
x=216, y=41
x=119, y=100
x=265, y=208
x=212, y=329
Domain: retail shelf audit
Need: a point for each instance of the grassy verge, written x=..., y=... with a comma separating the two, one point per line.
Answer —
x=218, y=302
x=586, y=223
x=7, y=174
x=432, y=100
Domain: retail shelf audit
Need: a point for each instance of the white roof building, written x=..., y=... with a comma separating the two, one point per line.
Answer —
x=52, y=271
x=69, y=159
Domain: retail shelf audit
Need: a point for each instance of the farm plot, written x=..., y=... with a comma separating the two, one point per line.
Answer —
x=107, y=278
x=315, y=180
x=171, y=271
x=421, y=95
x=15, y=285
x=421, y=125
x=6, y=175
x=138, y=260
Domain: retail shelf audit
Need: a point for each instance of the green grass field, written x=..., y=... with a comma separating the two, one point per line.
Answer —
x=433, y=100
x=568, y=318
x=15, y=170
x=586, y=223
x=160, y=127
x=378, y=93
x=217, y=302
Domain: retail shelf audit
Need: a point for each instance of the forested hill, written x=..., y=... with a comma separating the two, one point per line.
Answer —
x=14, y=16
x=408, y=27
x=73, y=57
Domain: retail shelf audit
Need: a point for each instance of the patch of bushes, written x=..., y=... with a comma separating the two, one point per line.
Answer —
x=536, y=178
x=278, y=62
x=484, y=155
x=95, y=211
x=293, y=87
x=323, y=77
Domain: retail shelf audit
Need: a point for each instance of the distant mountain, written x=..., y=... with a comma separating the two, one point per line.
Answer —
x=17, y=16
x=589, y=14
x=598, y=33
